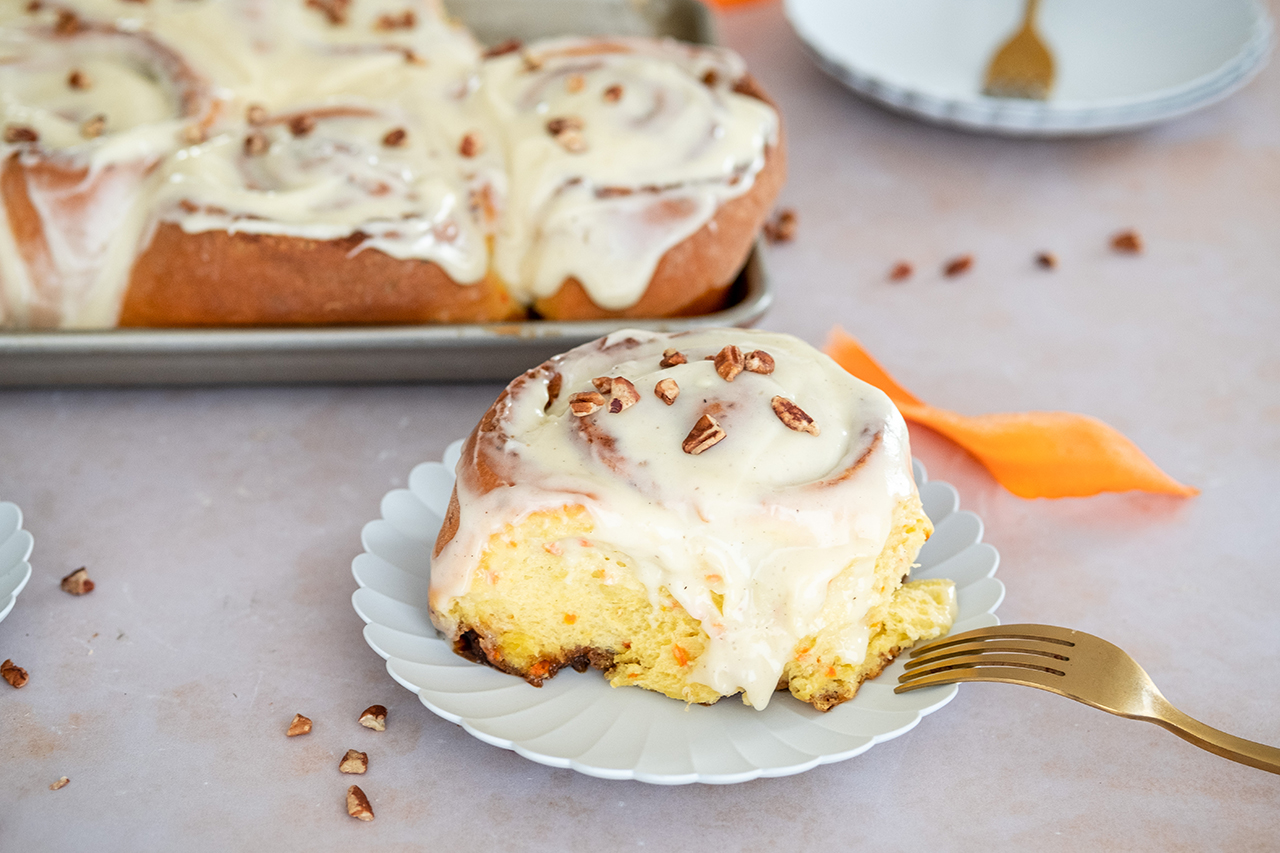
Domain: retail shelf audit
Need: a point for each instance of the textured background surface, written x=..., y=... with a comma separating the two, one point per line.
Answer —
x=220, y=525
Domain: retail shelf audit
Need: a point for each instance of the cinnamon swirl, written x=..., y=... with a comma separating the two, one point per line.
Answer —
x=703, y=515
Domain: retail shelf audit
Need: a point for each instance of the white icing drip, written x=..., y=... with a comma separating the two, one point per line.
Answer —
x=749, y=519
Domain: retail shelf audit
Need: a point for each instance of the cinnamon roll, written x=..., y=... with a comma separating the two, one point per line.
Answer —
x=702, y=515
x=251, y=162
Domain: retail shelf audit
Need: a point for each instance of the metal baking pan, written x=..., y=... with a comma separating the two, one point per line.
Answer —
x=477, y=352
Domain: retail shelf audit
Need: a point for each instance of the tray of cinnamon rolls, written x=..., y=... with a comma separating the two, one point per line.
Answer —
x=198, y=191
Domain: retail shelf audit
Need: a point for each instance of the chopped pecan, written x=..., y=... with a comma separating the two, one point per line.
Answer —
x=354, y=762
x=301, y=125
x=624, y=394
x=613, y=94
x=256, y=144
x=504, y=47
x=710, y=77
x=61, y=783
x=395, y=137
x=729, y=363
x=334, y=10
x=603, y=384
x=758, y=361
x=706, y=433
x=1128, y=241
x=300, y=726
x=585, y=403
x=567, y=130
x=77, y=583
x=901, y=271
x=958, y=265
x=256, y=114
x=68, y=23
x=472, y=144
x=574, y=83
x=193, y=134
x=672, y=357
x=77, y=79
x=793, y=416
x=15, y=133
x=406, y=20
x=374, y=717
x=1047, y=260
x=667, y=390
x=14, y=674
x=782, y=227
x=94, y=127
x=358, y=804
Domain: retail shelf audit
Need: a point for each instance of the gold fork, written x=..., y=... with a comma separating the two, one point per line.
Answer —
x=1076, y=665
x=1023, y=66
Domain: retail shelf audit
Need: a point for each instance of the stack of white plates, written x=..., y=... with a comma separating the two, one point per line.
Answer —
x=1120, y=64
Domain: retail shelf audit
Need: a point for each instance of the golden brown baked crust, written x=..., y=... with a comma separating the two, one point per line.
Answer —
x=695, y=275
x=215, y=278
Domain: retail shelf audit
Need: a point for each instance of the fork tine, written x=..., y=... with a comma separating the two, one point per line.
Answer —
x=1050, y=650
x=1035, y=663
x=1024, y=631
x=1003, y=674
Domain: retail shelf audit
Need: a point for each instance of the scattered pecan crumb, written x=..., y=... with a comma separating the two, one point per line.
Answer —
x=553, y=389
x=531, y=62
x=61, y=783
x=358, y=804
x=471, y=145
x=560, y=124
x=68, y=23
x=793, y=416
x=782, y=227
x=672, y=357
x=256, y=144
x=193, y=134
x=1047, y=260
x=354, y=762
x=300, y=726
x=613, y=94
x=94, y=127
x=301, y=125
x=334, y=10
x=395, y=137
x=706, y=433
x=406, y=20
x=77, y=583
x=77, y=79
x=14, y=674
x=624, y=395
x=729, y=363
x=374, y=717
x=503, y=48
x=667, y=390
x=958, y=266
x=15, y=133
x=710, y=78
x=758, y=361
x=1128, y=241
x=575, y=83
x=34, y=6
x=901, y=271
x=256, y=114
x=585, y=403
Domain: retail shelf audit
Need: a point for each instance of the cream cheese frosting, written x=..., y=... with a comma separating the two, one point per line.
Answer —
x=177, y=91
x=748, y=534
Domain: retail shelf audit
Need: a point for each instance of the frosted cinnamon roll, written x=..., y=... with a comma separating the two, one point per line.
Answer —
x=640, y=173
x=88, y=111
x=703, y=515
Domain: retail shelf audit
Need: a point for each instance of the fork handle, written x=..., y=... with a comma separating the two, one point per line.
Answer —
x=1193, y=731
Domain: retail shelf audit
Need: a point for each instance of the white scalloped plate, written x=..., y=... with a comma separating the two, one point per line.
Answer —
x=15, y=549
x=576, y=720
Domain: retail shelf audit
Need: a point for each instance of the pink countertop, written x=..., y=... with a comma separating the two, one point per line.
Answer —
x=219, y=525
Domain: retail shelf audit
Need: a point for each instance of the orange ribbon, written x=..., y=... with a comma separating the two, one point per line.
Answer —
x=1032, y=454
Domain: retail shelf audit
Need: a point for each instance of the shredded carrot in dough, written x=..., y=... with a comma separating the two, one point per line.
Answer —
x=1032, y=454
